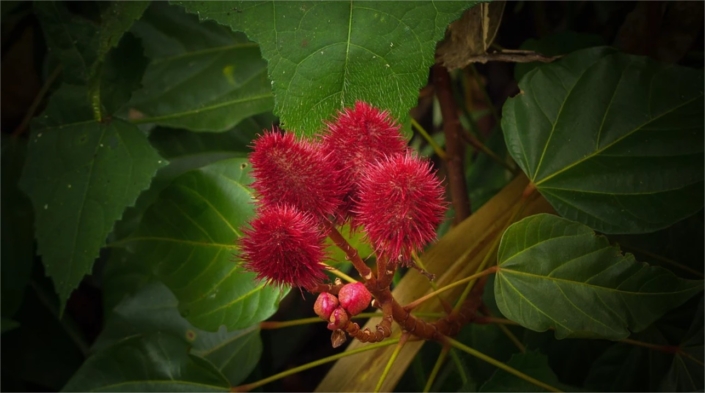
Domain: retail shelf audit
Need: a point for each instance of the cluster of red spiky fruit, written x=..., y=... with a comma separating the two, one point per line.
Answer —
x=359, y=171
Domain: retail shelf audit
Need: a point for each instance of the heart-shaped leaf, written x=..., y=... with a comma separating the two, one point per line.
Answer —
x=202, y=77
x=556, y=273
x=613, y=141
x=326, y=55
x=188, y=237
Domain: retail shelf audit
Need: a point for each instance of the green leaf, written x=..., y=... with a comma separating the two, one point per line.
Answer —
x=72, y=39
x=531, y=363
x=613, y=141
x=202, y=76
x=555, y=273
x=18, y=234
x=153, y=308
x=188, y=237
x=326, y=55
x=117, y=19
x=173, y=143
x=553, y=45
x=186, y=151
x=80, y=176
x=151, y=362
x=122, y=276
x=120, y=78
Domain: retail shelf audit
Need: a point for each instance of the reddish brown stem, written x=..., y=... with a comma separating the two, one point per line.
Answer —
x=385, y=273
x=349, y=250
x=455, y=150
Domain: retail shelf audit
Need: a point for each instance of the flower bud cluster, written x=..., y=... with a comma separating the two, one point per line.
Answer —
x=360, y=171
x=352, y=299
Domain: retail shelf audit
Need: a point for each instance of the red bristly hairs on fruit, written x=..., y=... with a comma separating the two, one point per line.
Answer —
x=400, y=204
x=284, y=246
x=359, y=136
x=294, y=172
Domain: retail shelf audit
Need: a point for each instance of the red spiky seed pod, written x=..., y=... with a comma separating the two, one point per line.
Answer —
x=400, y=205
x=284, y=246
x=295, y=172
x=338, y=319
x=358, y=136
x=354, y=298
x=325, y=304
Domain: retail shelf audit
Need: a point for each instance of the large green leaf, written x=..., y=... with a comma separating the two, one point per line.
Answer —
x=326, y=55
x=80, y=176
x=531, y=363
x=202, y=76
x=613, y=141
x=153, y=308
x=151, y=362
x=555, y=273
x=188, y=237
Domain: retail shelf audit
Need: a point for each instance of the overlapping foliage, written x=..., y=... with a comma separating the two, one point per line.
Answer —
x=143, y=148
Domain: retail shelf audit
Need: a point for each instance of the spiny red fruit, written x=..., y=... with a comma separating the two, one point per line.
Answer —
x=338, y=319
x=325, y=304
x=295, y=172
x=400, y=204
x=354, y=298
x=284, y=247
x=358, y=136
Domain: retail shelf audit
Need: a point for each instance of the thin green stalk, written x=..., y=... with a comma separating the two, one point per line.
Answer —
x=475, y=276
x=486, y=260
x=499, y=364
x=459, y=365
x=512, y=337
x=339, y=273
x=388, y=367
x=268, y=325
x=420, y=264
x=436, y=368
x=369, y=347
x=439, y=150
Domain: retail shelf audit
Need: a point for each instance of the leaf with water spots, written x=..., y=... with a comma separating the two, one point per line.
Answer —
x=326, y=55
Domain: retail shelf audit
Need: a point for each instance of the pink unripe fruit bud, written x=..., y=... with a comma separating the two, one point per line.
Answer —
x=338, y=319
x=354, y=298
x=325, y=304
